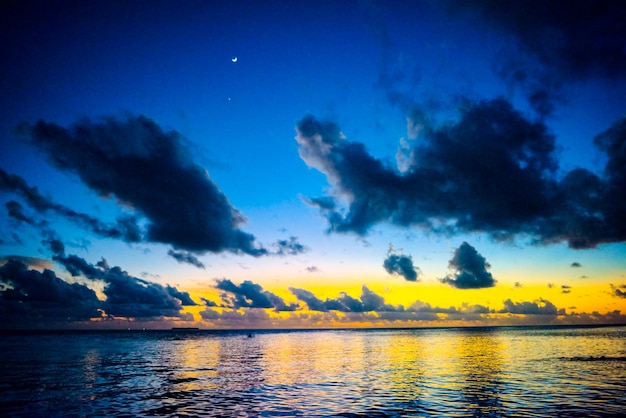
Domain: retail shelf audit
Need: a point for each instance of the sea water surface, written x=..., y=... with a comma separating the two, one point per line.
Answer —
x=524, y=372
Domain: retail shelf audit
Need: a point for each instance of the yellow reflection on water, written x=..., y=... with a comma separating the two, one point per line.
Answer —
x=195, y=362
x=406, y=357
x=481, y=359
x=90, y=364
x=295, y=360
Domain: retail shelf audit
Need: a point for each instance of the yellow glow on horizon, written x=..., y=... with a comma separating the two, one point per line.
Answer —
x=584, y=297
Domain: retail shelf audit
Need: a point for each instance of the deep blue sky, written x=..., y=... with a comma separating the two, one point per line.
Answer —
x=487, y=81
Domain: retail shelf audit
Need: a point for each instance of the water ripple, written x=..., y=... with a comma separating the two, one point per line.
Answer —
x=470, y=373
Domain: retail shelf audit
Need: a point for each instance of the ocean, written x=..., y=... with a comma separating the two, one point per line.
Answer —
x=458, y=372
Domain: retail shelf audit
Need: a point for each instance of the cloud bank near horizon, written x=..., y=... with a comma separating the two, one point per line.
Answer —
x=37, y=296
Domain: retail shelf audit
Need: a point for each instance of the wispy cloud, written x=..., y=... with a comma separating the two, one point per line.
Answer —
x=289, y=246
x=186, y=257
x=124, y=228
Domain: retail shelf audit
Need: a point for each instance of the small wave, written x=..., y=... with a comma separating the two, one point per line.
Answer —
x=592, y=358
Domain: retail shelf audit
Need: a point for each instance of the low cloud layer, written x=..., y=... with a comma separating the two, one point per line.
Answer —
x=152, y=171
x=250, y=295
x=27, y=294
x=39, y=297
x=368, y=302
x=469, y=269
x=540, y=307
x=128, y=296
x=492, y=170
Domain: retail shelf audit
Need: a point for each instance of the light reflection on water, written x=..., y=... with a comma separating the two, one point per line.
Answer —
x=451, y=372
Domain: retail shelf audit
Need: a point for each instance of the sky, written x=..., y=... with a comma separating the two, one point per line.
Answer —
x=274, y=164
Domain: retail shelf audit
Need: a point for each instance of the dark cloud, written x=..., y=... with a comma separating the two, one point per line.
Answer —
x=373, y=302
x=16, y=210
x=368, y=302
x=312, y=269
x=619, y=291
x=613, y=204
x=492, y=171
x=7, y=238
x=470, y=269
x=78, y=266
x=402, y=265
x=184, y=297
x=555, y=42
x=540, y=307
x=577, y=39
x=125, y=227
x=186, y=257
x=483, y=173
x=576, y=264
x=152, y=171
x=128, y=296
x=312, y=301
x=566, y=289
x=345, y=303
x=359, y=178
x=251, y=295
x=26, y=294
x=589, y=208
x=30, y=262
x=208, y=302
x=289, y=247
x=54, y=244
